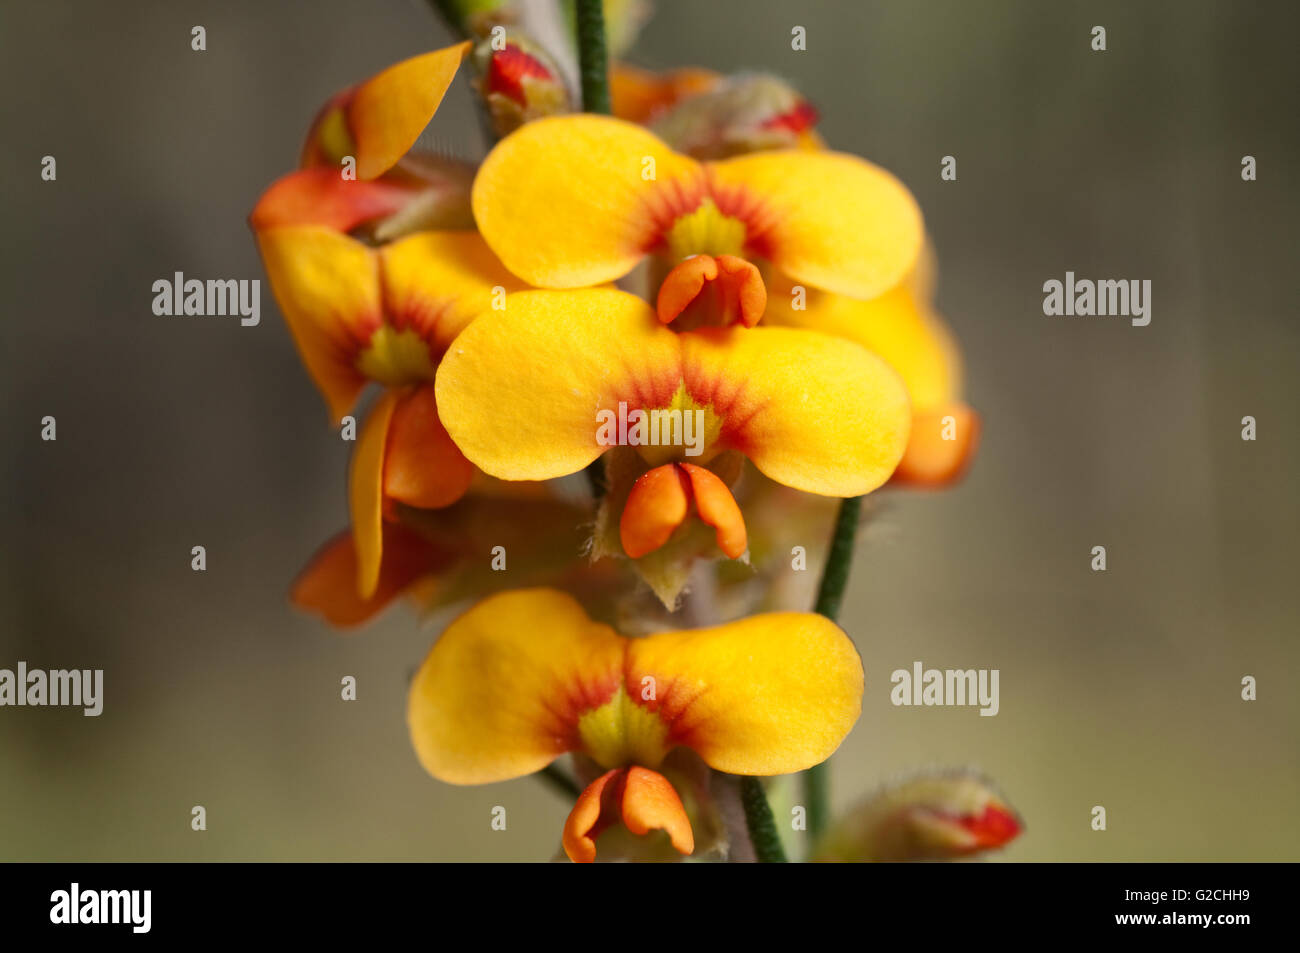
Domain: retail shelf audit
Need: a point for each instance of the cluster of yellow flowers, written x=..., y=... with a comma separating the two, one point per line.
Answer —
x=695, y=303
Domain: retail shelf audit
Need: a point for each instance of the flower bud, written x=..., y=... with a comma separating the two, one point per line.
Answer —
x=519, y=82
x=933, y=817
x=744, y=113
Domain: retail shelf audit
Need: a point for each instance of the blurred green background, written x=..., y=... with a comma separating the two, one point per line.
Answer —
x=1119, y=688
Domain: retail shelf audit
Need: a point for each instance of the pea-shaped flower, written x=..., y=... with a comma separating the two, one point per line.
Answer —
x=525, y=676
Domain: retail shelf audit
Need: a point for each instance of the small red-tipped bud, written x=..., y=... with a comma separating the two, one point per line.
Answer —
x=943, y=817
x=519, y=82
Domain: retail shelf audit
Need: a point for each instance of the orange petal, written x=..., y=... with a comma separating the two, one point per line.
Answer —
x=321, y=196
x=584, y=825
x=366, y=492
x=656, y=506
x=683, y=285
x=328, y=584
x=717, y=507
x=642, y=799
x=651, y=803
x=738, y=290
x=941, y=446
x=385, y=115
x=422, y=467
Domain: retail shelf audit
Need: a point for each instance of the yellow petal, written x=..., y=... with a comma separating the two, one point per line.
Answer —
x=765, y=695
x=327, y=286
x=520, y=389
x=897, y=326
x=500, y=693
x=437, y=282
x=522, y=676
x=812, y=411
x=834, y=221
x=566, y=201
x=388, y=112
x=366, y=491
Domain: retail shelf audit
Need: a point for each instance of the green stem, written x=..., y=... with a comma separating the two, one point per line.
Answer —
x=559, y=780
x=593, y=65
x=835, y=579
x=760, y=822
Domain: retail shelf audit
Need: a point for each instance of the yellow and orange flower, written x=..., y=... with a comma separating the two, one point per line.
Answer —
x=522, y=390
x=575, y=201
x=375, y=124
x=384, y=315
x=526, y=676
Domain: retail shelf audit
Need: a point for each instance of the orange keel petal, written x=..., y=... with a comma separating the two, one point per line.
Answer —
x=717, y=507
x=642, y=799
x=651, y=803
x=657, y=505
x=683, y=285
x=584, y=825
x=736, y=287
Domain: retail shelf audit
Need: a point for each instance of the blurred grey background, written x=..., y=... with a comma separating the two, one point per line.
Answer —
x=1119, y=689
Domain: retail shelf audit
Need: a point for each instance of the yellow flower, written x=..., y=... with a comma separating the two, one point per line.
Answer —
x=525, y=676
x=574, y=201
x=522, y=390
x=384, y=315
